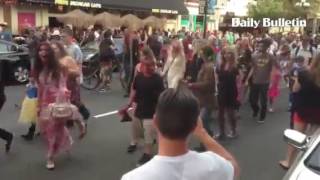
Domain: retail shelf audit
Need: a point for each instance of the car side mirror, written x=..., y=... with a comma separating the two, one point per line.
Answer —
x=296, y=139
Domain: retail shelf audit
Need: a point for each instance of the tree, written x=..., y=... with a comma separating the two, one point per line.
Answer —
x=266, y=8
x=282, y=8
x=292, y=10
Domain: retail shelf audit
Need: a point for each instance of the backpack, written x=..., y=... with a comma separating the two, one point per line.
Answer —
x=310, y=50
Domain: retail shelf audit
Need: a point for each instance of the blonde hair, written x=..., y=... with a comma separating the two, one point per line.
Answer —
x=233, y=51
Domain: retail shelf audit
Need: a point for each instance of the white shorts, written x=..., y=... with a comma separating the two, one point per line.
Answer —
x=149, y=131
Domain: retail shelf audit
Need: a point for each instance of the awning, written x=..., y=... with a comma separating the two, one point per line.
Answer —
x=160, y=6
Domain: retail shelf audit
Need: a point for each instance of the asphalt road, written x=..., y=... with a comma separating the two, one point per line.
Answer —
x=102, y=154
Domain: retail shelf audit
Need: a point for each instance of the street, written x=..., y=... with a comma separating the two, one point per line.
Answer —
x=102, y=155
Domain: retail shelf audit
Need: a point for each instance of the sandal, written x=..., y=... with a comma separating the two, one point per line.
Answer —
x=284, y=165
x=132, y=148
x=50, y=165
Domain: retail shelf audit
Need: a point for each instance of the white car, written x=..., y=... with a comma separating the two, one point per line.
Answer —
x=307, y=164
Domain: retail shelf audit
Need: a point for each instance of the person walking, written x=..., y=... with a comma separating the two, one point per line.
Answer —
x=176, y=118
x=175, y=68
x=204, y=88
x=228, y=75
x=306, y=107
x=146, y=87
x=244, y=66
x=71, y=71
x=263, y=62
x=107, y=56
x=4, y=134
x=305, y=49
x=51, y=80
x=5, y=34
x=274, y=90
x=73, y=49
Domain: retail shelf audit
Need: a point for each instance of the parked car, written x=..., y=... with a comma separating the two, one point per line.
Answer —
x=17, y=62
x=307, y=163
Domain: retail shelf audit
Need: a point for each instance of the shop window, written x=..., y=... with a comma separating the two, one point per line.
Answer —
x=200, y=18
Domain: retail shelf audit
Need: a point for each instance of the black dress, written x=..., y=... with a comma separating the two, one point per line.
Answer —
x=306, y=101
x=227, y=88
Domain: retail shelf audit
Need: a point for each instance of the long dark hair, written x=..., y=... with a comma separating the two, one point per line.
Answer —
x=62, y=50
x=53, y=64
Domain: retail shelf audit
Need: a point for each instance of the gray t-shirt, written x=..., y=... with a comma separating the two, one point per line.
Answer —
x=262, y=67
x=75, y=52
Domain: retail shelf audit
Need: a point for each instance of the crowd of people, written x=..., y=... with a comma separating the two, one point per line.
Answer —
x=177, y=82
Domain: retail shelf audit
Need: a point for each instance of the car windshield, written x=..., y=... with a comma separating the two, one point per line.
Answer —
x=5, y=48
x=313, y=161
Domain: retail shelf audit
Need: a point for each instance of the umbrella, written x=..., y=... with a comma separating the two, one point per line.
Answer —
x=76, y=18
x=153, y=22
x=108, y=20
x=132, y=22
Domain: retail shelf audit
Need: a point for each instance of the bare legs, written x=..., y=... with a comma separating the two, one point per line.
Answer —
x=231, y=114
x=291, y=151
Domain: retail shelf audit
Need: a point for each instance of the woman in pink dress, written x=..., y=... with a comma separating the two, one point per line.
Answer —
x=51, y=81
x=274, y=90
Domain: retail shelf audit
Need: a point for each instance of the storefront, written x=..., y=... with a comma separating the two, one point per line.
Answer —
x=21, y=14
x=169, y=9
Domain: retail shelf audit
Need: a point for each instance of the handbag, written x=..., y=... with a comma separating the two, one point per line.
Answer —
x=62, y=108
x=61, y=111
x=29, y=111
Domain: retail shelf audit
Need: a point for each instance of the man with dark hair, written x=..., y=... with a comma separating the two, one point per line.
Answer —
x=262, y=64
x=176, y=118
x=146, y=88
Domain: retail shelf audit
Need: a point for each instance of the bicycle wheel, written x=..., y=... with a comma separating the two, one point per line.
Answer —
x=92, y=82
x=90, y=67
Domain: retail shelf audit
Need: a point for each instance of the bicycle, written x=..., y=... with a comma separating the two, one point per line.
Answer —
x=91, y=73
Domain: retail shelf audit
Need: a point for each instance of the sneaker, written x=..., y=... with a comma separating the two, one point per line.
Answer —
x=144, y=159
x=9, y=143
x=102, y=90
x=232, y=135
x=132, y=148
x=271, y=110
x=261, y=121
x=220, y=137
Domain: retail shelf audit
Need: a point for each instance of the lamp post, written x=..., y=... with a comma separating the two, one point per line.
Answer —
x=205, y=19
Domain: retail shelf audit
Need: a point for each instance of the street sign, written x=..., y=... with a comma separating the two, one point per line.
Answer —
x=202, y=4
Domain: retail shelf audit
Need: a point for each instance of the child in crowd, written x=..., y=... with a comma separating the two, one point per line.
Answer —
x=274, y=90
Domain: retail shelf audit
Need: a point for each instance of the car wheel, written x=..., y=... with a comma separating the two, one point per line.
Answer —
x=21, y=74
